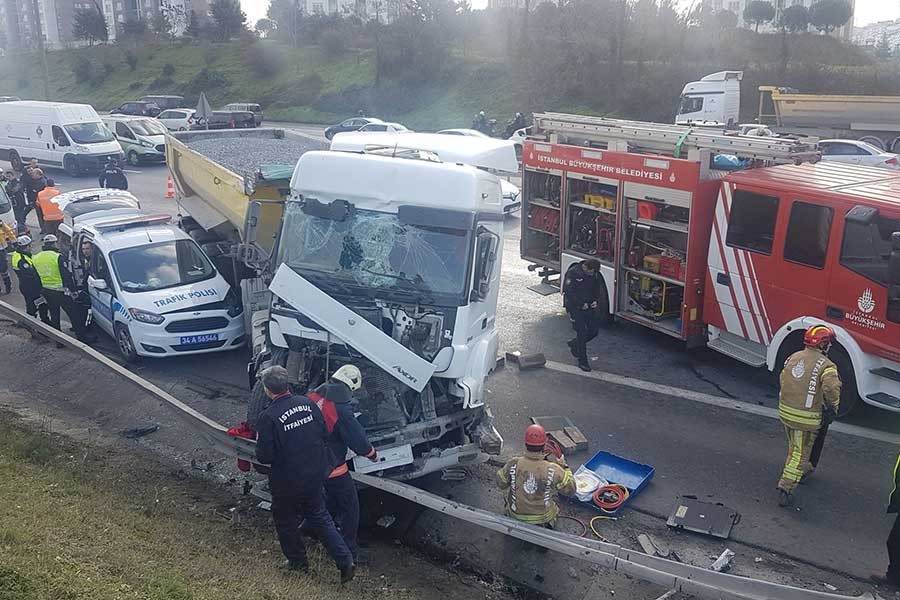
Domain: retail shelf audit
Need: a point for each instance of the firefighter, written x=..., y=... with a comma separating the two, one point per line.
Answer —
x=580, y=292
x=533, y=481
x=29, y=280
x=810, y=385
x=293, y=441
x=333, y=399
x=892, y=577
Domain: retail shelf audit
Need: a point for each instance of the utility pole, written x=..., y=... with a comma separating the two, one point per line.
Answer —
x=41, y=47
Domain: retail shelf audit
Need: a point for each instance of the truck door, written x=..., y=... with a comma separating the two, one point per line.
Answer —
x=858, y=297
x=741, y=263
x=805, y=240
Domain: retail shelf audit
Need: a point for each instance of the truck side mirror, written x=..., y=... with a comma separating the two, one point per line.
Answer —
x=894, y=261
x=485, y=256
x=251, y=223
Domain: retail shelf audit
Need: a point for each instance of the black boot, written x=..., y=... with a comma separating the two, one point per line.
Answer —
x=584, y=366
x=571, y=345
x=785, y=498
x=296, y=566
x=347, y=574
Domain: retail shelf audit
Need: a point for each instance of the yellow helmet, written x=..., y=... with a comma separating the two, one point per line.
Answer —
x=350, y=375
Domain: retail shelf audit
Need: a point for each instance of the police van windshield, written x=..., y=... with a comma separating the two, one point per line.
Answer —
x=160, y=266
x=89, y=133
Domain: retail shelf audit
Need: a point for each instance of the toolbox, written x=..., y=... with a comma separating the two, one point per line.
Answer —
x=695, y=515
x=616, y=469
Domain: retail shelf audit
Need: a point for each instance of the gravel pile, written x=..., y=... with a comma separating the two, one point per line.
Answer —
x=244, y=155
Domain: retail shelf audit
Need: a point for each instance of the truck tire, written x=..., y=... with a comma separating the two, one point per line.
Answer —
x=895, y=145
x=15, y=161
x=850, y=400
x=874, y=140
x=258, y=399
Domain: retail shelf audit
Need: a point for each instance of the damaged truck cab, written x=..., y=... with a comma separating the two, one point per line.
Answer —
x=388, y=259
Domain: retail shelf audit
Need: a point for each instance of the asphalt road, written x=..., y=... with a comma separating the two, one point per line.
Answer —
x=711, y=451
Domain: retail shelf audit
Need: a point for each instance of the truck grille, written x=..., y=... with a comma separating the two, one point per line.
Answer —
x=192, y=325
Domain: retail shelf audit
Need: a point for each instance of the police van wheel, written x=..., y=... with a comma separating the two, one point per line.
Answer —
x=126, y=344
x=850, y=399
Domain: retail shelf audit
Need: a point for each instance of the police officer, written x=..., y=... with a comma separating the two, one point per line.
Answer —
x=7, y=244
x=810, y=385
x=112, y=176
x=333, y=399
x=58, y=288
x=292, y=437
x=534, y=480
x=29, y=280
x=580, y=293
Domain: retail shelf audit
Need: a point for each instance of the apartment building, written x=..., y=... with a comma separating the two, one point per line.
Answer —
x=844, y=33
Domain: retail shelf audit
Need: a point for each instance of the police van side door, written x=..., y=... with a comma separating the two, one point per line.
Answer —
x=102, y=291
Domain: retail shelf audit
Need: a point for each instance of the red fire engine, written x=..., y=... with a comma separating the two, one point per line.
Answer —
x=741, y=245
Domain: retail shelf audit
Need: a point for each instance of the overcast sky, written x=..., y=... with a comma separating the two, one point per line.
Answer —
x=867, y=11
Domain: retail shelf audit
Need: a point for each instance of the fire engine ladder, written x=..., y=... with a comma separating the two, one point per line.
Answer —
x=672, y=140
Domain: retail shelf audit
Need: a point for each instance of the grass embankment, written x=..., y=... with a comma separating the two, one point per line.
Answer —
x=85, y=523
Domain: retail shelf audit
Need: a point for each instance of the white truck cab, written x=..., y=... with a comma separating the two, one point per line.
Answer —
x=715, y=99
x=151, y=287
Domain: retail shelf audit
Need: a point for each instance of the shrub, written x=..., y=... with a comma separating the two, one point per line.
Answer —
x=135, y=85
x=207, y=80
x=168, y=70
x=264, y=59
x=301, y=92
x=84, y=70
x=332, y=42
x=131, y=59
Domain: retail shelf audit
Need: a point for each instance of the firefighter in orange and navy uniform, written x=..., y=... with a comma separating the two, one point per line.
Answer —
x=810, y=385
x=333, y=399
x=534, y=480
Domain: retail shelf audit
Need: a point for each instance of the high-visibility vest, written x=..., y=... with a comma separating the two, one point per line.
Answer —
x=49, y=209
x=46, y=263
x=17, y=258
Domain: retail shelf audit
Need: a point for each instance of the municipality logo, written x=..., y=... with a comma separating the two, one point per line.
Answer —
x=866, y=303
x=799, y=369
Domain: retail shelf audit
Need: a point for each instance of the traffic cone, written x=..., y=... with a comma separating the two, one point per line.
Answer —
x=170, y=189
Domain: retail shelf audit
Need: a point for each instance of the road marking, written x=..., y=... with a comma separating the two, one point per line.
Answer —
x=133, y=172
x=717, y=401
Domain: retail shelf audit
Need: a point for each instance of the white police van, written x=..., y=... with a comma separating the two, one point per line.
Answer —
x=151, y=287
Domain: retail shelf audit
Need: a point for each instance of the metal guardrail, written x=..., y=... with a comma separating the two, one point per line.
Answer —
x=672, y=575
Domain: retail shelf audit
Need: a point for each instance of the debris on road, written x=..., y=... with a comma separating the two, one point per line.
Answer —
x=707, y=518
x=723, y=562
x=563, y=431
x=386, y=521
x=646, y=544
x=527, y=361
x=140, y=431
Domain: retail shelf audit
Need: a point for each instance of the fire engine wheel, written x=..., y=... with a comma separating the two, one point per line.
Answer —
x=850, y=399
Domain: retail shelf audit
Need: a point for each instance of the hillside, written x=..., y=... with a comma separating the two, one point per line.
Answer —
x=308, y=84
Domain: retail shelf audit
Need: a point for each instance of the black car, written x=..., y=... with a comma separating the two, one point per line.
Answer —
x=137, y=109
x=353, y=124
x=226, y=119
x=165, y=102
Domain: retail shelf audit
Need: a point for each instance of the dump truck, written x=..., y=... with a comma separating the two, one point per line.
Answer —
x=387, y=258
x=786, y=111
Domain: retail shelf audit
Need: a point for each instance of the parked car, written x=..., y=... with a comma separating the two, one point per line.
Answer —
x=142, y=139
x=256, y=109
x=858, y=153
x=10, y=99
x=224, y=119
x=464, y=132
x=382, y=127
x=165, y=102
x=137, y=109
x=511, y=200
x=177, y=119
x=353, y=124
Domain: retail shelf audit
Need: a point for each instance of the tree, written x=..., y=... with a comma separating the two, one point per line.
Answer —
x=193, y=28
x=883, y=48
x=759, y=12
x=160, y=26
x=794, y=18
x=828, y=15
x=134, y=28
x=90, y=25
x=229, y=18
x=725, y=19
x=287, y=16
x=265, y=27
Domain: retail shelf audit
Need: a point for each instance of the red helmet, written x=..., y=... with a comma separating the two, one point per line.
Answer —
x=817, y=335
x=535, y=436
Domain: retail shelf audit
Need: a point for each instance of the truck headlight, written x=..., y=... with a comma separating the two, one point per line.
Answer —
x=235, y=307
x=145, y=316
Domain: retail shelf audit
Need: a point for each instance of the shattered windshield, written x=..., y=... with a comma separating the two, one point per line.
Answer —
x=377, y=251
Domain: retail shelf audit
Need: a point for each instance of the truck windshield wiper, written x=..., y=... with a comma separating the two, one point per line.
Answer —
x=416, y=281
x=420, y=295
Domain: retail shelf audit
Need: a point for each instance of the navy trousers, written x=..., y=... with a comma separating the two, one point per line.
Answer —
x=289, y=511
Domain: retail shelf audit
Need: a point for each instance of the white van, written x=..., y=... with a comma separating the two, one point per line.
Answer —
x=152, y=288
x=57, y=134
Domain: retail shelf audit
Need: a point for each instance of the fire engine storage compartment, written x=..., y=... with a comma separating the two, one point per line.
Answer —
x=591, y=216
x=654, y=255
x=542, y=216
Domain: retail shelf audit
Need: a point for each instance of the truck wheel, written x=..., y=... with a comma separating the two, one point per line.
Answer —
x=126, y=344
x=15, y=161
x=875, y=141
x=895, y=145
x=70, y=166
x=850, y=399
x=258, y=402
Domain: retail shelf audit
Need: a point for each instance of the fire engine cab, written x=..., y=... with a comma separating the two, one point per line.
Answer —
x=739, y=243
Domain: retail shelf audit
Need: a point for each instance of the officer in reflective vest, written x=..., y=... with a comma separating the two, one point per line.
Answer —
x=810, y=385
x=50, y=210
x=29, y=281
x=534, y=480
x=59, y=287
x=892, y=576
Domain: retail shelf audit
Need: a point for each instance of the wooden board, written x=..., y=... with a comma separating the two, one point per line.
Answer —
x=577, y=437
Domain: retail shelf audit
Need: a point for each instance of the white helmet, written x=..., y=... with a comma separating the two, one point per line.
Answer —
x=23, y=240
x=350, y=375
x=50, y=239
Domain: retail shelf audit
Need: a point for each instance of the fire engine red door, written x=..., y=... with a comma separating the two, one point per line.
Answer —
x=858, y=297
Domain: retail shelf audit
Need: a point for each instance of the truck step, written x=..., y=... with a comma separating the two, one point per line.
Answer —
x=749, y=353
x=886, y=372
x=885, y=400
